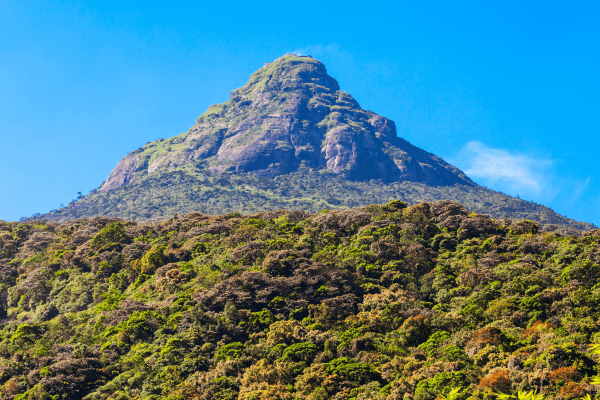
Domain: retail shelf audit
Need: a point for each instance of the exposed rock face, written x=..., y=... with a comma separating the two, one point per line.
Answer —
x=123, y=173
x=291, y=113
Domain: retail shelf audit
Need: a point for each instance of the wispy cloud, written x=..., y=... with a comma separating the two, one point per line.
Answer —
x=530, y=176
x=318, y=50
x=517, y=171
x=580, y=189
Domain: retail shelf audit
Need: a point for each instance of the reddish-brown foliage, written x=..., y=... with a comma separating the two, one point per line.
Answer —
x=486, y=336
x=567, y=374
x=498, y=381
x=537, y=328
x=573, y=390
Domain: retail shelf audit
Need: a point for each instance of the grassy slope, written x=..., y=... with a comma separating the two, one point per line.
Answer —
x=371, y=303
x=159, y=196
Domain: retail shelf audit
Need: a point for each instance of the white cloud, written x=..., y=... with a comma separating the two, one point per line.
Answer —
x=517, y=171
x=530, y=176
x=318, y=50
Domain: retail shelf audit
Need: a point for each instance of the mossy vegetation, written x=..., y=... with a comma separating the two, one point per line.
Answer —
x=388, y=301
x=159, y=196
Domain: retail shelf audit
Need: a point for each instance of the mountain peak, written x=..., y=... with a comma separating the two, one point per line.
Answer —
x=292, y=71
x=291, y=113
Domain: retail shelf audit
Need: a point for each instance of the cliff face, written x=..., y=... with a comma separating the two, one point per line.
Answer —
x=291, y=113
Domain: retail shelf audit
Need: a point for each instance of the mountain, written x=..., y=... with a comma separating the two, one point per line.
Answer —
x=384, y=302
x=291, y=113
x=290, y=138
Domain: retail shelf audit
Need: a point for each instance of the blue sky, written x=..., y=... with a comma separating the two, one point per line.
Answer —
x=506, y=91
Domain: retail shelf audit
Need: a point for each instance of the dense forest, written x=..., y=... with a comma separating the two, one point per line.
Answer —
x=160, y=195
x=423, y=302
x=381, y=302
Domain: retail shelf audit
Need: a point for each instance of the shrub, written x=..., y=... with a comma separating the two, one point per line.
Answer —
x=537, y=329
x=480, y=339
x=431, y=346
x=565, y=374
x=574, y=390
x=415, y=330
x=586, y=272
x=498, y=381
x=300, y=352
x=153, y=259
x=111, y=234
x=230, y=351
x=351, y=370
x=441, y=383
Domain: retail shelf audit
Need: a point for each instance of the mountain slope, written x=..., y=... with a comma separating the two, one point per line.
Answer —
x=155, y=196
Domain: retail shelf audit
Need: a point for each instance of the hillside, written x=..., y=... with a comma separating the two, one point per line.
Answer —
x=381, y=302
x=161, y=195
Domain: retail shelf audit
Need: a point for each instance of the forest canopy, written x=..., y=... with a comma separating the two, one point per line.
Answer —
x=381, y=302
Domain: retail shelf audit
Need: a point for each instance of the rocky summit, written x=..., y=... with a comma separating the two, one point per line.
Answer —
x=291, y=113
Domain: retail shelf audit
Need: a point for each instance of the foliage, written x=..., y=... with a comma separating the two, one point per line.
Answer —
x=158, y=196
x=111, y=234
x=383, y=302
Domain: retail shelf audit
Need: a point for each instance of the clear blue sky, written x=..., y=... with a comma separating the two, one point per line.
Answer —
x=507, y=91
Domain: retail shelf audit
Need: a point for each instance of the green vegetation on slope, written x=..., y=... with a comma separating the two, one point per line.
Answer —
x=159, y=196
x=383, y=302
